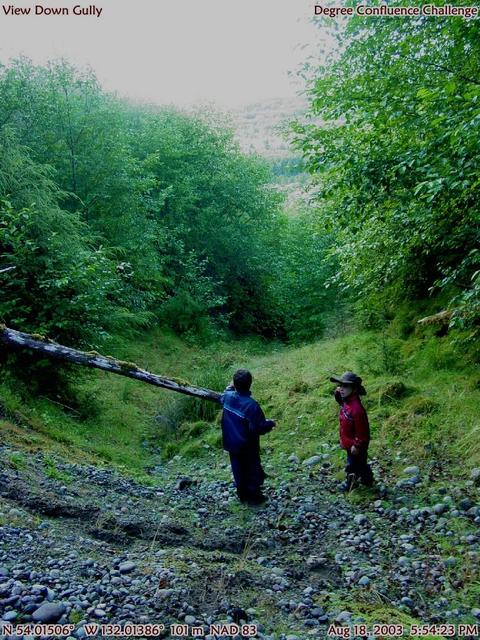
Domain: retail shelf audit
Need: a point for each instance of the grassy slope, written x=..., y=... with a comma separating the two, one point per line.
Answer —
x=422, y=398
x=433, y=416
x=422, y=401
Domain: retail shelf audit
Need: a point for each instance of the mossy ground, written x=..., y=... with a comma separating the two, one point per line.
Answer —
x=423, y=398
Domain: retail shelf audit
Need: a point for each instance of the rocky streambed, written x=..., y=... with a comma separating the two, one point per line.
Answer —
x=85, y=545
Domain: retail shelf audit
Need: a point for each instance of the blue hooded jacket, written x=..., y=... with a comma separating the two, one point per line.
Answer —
x=243, y=421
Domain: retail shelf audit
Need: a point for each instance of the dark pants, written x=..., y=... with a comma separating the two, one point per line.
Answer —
x=248, y=473
x=358, y=465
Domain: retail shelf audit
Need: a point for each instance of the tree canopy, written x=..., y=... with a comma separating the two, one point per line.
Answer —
x=119, y=216
x=392, y=145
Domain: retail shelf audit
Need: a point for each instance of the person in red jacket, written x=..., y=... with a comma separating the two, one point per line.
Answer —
x=354, y=429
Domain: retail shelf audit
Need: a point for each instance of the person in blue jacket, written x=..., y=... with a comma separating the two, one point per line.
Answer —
x=243, y=422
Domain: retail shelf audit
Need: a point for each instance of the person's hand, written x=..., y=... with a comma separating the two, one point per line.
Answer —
x=354, y=450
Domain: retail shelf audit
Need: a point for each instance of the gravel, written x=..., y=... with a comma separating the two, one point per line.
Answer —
x=116, y=551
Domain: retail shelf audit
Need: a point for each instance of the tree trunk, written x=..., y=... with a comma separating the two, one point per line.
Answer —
x=93, y=359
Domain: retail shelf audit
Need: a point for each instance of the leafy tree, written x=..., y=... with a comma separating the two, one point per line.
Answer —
x=68, y=122
x=61, y=284
x=166, y=197
x=395, y=159
x=217, y=203
x=308, y=298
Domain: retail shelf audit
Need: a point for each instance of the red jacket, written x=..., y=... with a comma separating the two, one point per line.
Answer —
x=354, y=428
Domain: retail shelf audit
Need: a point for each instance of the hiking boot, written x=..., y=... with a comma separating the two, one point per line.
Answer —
x=257, y=499
x=348, y=484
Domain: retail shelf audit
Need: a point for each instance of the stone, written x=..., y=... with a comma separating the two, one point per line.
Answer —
x=411, y=471
x=316, y=562
x=440, y=508
x=475, y=475
x=49, y=612
x=364, y=581
x=465, y=504
x=9, y=616
x=343, y=616
x=183, y=483
x=407, y=602
x=127, y=567
x=360, y=519
x=310, y=462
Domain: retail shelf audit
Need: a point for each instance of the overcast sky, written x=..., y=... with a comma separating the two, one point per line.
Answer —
x=229, y=52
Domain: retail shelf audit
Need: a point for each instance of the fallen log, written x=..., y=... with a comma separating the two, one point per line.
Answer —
x=442, y=317
x=95, y=360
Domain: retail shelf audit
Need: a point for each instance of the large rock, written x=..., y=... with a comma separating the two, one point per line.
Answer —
x=127, y=567
x=49, y=612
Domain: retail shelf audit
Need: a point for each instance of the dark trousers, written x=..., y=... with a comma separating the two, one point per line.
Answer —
x=248, y=473
x=358, y=465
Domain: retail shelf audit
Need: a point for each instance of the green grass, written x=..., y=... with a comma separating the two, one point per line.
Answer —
x=51, y=470
x=422, y=402
x=16, y=459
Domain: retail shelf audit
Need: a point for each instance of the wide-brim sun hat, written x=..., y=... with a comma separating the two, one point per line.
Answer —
x=352, y=379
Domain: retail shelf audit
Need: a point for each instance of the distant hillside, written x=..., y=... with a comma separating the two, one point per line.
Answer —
x=259, y=127
x=259, y=124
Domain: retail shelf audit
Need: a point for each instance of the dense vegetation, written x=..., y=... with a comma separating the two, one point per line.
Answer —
x=119, y=217
x=395, y=161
